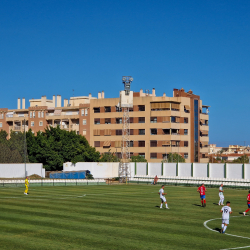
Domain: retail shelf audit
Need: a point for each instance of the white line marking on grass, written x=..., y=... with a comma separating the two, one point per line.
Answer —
x=205, y=224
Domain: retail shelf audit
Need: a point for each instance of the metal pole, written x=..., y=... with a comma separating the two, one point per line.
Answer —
x=24, y=149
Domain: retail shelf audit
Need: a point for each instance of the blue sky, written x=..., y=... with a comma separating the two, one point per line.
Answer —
x=52, y=47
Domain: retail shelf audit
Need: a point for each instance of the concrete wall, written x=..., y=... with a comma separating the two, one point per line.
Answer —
x=11, y=170
x=97, y=169
x=200, y=170
x=195, y=170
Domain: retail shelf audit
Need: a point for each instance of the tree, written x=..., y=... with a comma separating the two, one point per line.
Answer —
x=175, y=158
x=12, y=150
x=241, y=159
x=55, y=146
x=138, y=158
x=109, y=157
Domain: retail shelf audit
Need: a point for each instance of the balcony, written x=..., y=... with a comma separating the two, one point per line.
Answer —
x=17, y=117
x=18, y=128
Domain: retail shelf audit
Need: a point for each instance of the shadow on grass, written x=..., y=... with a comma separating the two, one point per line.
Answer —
x=217, y=229
x=157, y=206
x=216, y=204
x=197, y=205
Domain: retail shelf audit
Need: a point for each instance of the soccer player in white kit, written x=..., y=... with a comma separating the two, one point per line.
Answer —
x=162, y=197
x=226, y=211
x=221, y=195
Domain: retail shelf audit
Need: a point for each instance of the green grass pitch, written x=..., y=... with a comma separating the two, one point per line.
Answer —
x=118, y=217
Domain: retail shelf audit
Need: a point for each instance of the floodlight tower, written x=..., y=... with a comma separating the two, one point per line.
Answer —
x=126, y=102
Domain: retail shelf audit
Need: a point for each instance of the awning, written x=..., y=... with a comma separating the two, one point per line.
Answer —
x=186, y=107
x=203, y=143
x=173, y=143
x=204, y=132
x=166, y=119
x=118, y=144
x=106, y=144
x=202, y=121
x=175, y=106
x=160, y=105
x=166, y=143
x=107, y=131
x=97, y=132
x=57, y=112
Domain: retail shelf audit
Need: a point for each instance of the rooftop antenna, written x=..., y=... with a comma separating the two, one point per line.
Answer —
x=126, y=102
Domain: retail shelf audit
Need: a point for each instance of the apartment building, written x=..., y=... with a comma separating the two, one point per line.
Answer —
x=159, y=125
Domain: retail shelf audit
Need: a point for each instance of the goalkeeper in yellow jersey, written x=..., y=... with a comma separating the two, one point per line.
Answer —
x=26, y=185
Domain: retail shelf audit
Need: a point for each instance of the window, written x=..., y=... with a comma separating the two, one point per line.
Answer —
x=173, y=119
x=40, y=123
x=77, y=132
x=153, y=131
x=185, y=143
x=118, y=132
x=185, y=155
x=174, y=131
x=141, y=131
x=166, y=131
x=97, y=110
x=1, y=116
x=107, y=120
x=185, y=120
x=84, y=132
x=1, y=124
x=141, y=107
x=84, y=122
x=30, y=114
x=153, y=143
x=107, y=109
x=82, y=112
x=86, y=112
x=141, y=143
x=97, y=121
x=131, y=109
x=119, y=155
x=42, y=114
x=153, y=155
x=131, y=119
x=131, y=131
x=131, y=144
x=39, y=114
x=97, y=143
x=32, y=124
x=141, y=120
x=34, y=114
x=153, y=119
x=185, y=131
x=142, y=155
x=118, y=120
x=118, y=109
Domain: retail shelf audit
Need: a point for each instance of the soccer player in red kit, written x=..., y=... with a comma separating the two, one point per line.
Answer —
x=202, y=191
x=248, y=203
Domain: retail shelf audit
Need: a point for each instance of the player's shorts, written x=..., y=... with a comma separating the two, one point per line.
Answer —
x=225, y=221
x=221, y=196
x=163, y=199
x=248, y=205
x=203, y=196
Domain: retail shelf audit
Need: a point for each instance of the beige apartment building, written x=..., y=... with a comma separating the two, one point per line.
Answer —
x=159, y=125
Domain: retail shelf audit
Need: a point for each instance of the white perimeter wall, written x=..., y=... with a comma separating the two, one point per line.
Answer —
x=200, y=170
x=169, y=169
x=17, y=170
x=184, y=169
x=216, y=170
x=97, y=169
x=247, y=171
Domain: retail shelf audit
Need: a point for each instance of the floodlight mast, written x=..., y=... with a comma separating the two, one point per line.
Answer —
x=126, y=101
